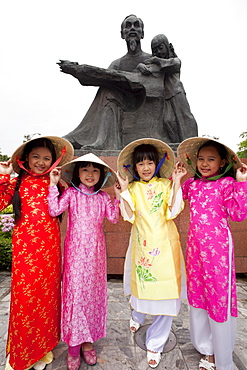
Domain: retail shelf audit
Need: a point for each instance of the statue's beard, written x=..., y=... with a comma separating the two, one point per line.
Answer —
x=132, y=44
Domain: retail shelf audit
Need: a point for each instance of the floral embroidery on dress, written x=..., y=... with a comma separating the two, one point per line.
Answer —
x=150, y=193
x=143, y=273
x=157, y=202
x=154, y=253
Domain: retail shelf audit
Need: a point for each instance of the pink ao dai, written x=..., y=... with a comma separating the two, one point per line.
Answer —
x=208, y=264
x=84, y=294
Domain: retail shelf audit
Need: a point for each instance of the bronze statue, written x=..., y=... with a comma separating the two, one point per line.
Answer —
x=131, y=101
x=177, y=119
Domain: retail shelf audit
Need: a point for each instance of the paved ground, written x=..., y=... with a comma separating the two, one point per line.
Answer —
x=120, y=351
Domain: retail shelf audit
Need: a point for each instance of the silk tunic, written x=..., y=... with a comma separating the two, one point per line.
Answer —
x=34, y=324
x=209, y=267
x=155, y=246
x=84, y=294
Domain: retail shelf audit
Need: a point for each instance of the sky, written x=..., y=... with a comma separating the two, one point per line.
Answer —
x=209, y=36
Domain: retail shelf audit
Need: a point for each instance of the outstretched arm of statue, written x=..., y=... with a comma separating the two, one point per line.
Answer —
x=67, y=67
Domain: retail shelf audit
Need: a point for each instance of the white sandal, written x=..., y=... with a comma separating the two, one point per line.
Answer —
x=135, y=325
x=156, y=356
x=205, y=364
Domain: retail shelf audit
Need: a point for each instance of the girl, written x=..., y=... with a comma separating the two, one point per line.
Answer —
x=152, y=272
x=84, y=296
x=214, y=196
x=35, y=291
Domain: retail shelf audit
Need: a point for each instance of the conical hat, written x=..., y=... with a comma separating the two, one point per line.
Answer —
x=188, y=152
x=68, y=169
x=59, y=145
x=125, y=157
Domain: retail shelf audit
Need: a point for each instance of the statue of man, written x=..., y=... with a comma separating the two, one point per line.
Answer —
x=101, y=126
x=132, y=31
x=130, y=103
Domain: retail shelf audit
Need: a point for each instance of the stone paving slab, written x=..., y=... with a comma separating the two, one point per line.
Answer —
x=119, y=350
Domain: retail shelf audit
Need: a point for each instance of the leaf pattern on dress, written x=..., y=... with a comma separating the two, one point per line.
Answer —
x=157, y=202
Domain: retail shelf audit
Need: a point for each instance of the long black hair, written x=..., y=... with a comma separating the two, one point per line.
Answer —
x=222, y=151
x=76, y=179
x=142, y=152
x=30, y=145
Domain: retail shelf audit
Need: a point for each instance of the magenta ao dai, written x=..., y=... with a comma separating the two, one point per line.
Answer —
x=210, y=265
x=84, y=294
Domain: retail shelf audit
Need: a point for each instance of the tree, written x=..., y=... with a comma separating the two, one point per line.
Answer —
x=3, y=157
x=242, y=146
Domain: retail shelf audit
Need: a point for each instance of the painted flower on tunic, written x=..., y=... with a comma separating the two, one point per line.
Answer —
x=142, y=271
x=144, y=262
x=150, y=194
x=154, y=253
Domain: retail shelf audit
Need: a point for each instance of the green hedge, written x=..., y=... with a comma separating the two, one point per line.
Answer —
x=5, y=252
x=6, y=244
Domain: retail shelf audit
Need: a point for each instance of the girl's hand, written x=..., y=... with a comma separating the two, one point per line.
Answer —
x=122, y=183
x=6, y=168
x=241, y=174
x=179, y=172
x=117, y=189
x=55, y=176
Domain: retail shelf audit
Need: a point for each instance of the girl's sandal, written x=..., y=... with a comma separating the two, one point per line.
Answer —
x=205, y=364
x=134, y=326
x=73, y=363
x=155, y=356
x=90, y=357
x=39, y=365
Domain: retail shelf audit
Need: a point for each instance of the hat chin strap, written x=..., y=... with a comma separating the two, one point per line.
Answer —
x=217, y=176
x=158, y=167
x=104, y=182
x=20, y=164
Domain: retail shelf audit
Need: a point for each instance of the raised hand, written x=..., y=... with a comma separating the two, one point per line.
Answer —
x=117, y=189
x=241, y=174
x=122, y=183
x=55, y=176
x=6, y=168
x=179, y=172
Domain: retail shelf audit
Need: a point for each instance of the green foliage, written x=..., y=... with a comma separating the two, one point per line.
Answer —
x=157, y=202
x=5, y=251
x=6, y=238
x=242, y=146
x=3, y=157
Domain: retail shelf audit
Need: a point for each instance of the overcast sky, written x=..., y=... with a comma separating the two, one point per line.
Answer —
x=209, y=36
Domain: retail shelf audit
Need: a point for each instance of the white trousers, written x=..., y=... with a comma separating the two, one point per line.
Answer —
x=158, y=333
x=213, y=338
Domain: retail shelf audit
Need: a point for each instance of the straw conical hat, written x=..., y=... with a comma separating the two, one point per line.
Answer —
x=125, y=157
x=59, y=144
x=188, y=152
x=68, y=169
